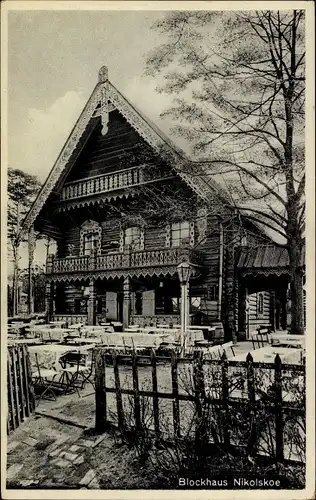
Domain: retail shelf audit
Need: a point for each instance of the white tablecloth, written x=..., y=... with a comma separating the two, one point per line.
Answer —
x=268, y=353
x=48, y=355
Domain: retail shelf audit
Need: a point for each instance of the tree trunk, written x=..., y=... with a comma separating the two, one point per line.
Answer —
x=15, y=298
x=297, y=309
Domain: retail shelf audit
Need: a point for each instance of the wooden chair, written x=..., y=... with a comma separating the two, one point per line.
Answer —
x=262, y=337
x=227, y=346
x=44, y=378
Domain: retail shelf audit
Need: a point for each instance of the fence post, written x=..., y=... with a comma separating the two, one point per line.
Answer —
x=15, y=386
x=119, y=402
x=137, y=415
x=199, y=393
x=21, y=378
x=225, y=393
x=11, y=405
x=100, y=392
x=31, y=390
x=175, y=394
x=155, y=391
x=278, y=409
x=27, y=380
x=252, y=443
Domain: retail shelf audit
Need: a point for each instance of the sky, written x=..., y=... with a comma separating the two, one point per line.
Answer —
x=53, y=63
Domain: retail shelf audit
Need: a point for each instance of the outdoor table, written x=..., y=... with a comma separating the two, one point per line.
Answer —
x=81, y=340
x=56, y=334
x=123, y=339
x=25, y=341
x=57, y=323
x=268, y=353
x=278, y=337
x=48, y=355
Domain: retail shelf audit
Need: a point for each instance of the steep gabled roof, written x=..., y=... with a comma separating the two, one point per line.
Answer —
x=104, y=95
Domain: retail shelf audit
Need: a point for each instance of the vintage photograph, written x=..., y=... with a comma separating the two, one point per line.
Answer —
x=155, y=285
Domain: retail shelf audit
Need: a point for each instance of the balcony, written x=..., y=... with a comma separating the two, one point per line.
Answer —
x=122, y=261
x=121, y=179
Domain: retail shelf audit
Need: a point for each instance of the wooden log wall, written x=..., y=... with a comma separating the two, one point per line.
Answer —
x=255, y=319
x=118, y=149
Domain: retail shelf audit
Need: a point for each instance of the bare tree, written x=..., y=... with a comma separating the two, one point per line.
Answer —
x=22, y=189
x=239, y=82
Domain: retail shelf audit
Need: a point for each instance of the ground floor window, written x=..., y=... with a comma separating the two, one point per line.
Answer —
x=139, y=303
x=195, y=303
x=165, y=303
x=81, y=306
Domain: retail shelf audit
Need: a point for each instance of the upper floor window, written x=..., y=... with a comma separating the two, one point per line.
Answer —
x=180, y=234
x=90, y=243
x=132, y=237
x=90, y=238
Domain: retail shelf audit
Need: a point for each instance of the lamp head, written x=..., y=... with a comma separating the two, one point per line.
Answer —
x=184, y=271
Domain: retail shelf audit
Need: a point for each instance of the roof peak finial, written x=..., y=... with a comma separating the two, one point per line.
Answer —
x=103, y=74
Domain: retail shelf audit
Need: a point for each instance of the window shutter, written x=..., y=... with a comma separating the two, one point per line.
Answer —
x=149, y=303
x=168, y=236
x=192, y=234
x=121, y=240
x=142, y=239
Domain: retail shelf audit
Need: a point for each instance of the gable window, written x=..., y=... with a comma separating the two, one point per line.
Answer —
x=180, y=234
x=132, y=237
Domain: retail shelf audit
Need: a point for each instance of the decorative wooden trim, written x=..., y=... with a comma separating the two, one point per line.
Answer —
x=122, y=235
x=105, y=91
x=201, y=224
x=63, y=158
x=168, y=236
x=31, y=244
x=90, y=227
x=192, y=234
x=104, y=110
x=142, y=239
x=119, y=273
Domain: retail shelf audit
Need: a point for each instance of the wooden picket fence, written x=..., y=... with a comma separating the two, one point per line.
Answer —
x=277, y=406
x=21, y=398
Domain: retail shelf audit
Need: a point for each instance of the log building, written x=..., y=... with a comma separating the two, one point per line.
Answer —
x=125, y=207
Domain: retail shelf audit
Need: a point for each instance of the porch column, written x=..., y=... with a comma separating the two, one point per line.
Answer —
x=242, y=310
x=49, y=300
x=31, y=247
x=91, y=303
x=126, y=301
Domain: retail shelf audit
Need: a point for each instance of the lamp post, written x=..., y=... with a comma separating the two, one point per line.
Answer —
x=184, y=272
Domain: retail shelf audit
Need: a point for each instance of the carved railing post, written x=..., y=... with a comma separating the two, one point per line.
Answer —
x=91, y=303
x=126, y=301
x=50, y=264
x=49, y=300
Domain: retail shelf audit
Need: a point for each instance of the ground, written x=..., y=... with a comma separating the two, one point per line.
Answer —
x=45, y=453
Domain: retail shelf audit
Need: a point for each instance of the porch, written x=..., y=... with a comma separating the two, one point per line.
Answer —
x=145, y=301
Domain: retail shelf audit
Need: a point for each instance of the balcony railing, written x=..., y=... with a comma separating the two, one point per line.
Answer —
x=127, y=260
x=103, y=183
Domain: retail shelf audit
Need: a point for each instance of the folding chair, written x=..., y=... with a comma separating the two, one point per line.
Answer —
x=228, y=345
x=44, y=378
x=86, y=371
